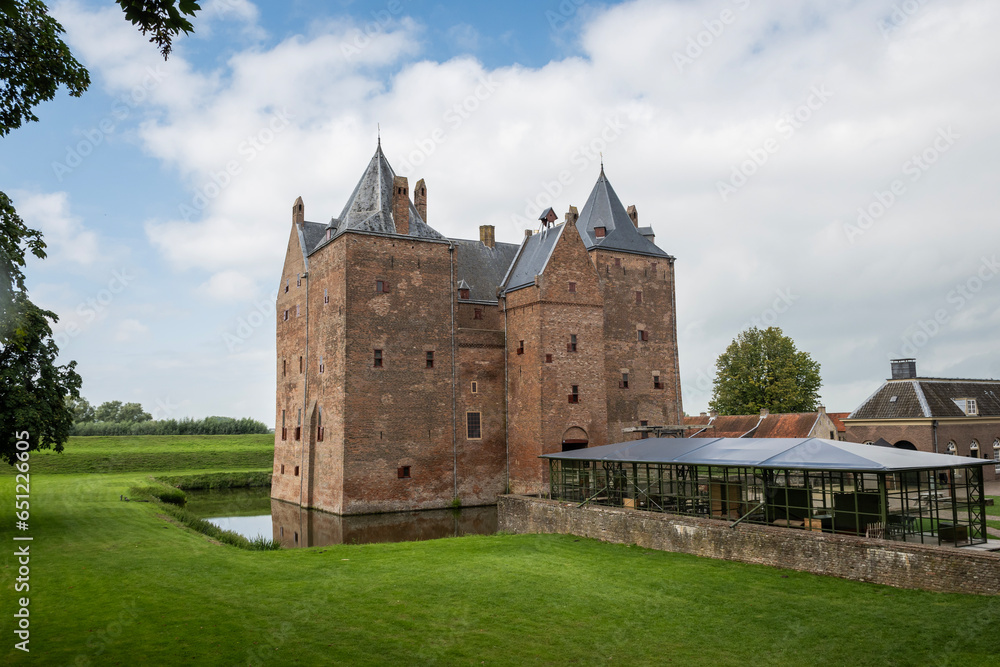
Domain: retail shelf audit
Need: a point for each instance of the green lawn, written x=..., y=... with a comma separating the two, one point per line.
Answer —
x=110, y=454
x=114, y=583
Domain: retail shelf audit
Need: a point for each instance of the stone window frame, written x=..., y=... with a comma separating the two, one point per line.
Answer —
x=473, y=425
x=474, y=387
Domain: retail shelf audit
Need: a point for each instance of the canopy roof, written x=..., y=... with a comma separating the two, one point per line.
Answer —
x=779, y=453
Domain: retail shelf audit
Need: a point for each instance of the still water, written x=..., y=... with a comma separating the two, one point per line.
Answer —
x=251, y=512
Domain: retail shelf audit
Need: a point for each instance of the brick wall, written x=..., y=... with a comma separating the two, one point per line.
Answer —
x=623, y=275
x=944, y=569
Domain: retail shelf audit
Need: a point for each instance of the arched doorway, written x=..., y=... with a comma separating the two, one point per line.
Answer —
x=905, y=444
x=574, y=438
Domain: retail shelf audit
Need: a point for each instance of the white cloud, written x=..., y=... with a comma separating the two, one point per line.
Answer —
x=128, y=330
x=64, y=234
x=228, y=286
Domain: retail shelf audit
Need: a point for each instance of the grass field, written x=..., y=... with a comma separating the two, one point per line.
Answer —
x=100, y=454
x=114, y=583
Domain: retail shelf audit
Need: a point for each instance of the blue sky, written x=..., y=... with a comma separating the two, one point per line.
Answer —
x=826, y=169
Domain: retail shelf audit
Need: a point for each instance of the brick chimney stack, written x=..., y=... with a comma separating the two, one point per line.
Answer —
x=764, y=412
x=420, y=199
x=401, y=205
x=298, y=211
x=572, y=215
x=634, y=215
x=527, y=233
x=486, y=235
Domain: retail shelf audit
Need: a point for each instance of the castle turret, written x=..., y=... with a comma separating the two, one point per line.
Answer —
x=420, y=199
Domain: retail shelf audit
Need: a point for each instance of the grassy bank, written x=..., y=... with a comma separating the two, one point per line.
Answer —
x=122, y=583
x=114, y=454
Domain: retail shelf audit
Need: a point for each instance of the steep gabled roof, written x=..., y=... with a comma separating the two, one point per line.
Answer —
x=532, y=257
x=913, y=398
x=482, y=268
x=604, y=209
x=369, y=208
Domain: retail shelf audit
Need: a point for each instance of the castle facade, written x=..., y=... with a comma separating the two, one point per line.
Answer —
x=415, y=369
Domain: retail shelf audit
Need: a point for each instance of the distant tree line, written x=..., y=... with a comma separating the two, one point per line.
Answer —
x=117, y=418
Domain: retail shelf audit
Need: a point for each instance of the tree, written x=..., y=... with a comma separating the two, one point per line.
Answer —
x=83, y=411
x=108, y=411
x=762, y=369
x=132, y=413
x=33, y=389
x=34, y=64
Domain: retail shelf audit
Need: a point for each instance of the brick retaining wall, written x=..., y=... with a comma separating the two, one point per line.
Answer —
x=934, y=568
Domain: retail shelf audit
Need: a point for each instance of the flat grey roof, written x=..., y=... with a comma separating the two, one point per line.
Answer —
x=778, y=453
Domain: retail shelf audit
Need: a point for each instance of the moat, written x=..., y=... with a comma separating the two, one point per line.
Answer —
x=252, y=512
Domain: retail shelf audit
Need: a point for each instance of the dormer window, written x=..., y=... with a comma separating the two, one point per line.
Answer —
x=967, y=405
x=463, y=294
x=599, y=232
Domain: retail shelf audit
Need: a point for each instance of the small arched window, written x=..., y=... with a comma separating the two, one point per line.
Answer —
x=974, y=449
x=951, y=447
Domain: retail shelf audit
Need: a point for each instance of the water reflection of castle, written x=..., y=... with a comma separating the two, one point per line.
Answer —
x=296, y=526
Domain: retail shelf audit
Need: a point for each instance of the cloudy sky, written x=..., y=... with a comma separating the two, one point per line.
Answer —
x=829, y=168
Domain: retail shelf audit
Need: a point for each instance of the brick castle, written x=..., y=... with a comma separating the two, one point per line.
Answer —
x=414, y=369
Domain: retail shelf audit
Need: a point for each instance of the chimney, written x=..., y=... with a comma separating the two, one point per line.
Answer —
x=486, y=236
x=904, y=369
x=634, y=215
x=821, y=409
x=713, y=413
x=527, y=233
x=420, y=199
x=298, y=211
x=764, y=412
x=703, y=414
x=572, y=215
x=401, y=205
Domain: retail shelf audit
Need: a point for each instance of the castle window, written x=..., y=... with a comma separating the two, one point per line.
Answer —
x=638, y=297
x=572, y=287
x=284, y=431
x=298, y=280
x=473, y=429
x=599, y=232
x=623, y=383
x=574, y=396
x=326, y=297
x=475, y=387
x=378, y=358
x=298, y=436
x=463, y=293
x=974, y=449
x=951, y=449
x=652, y=266
x=284, y=367
x=319, y=434
x=381, y=287
x=548, y=358
x=656, y=382
x=296, y=471
x=403, y=472
x=478, y=314
x=286, y=284
x=571, y=345
x=300, y=364
x=520, y=347
x=642, y=334
x=430, y=360
x=322, y=367
x=286, y=315
x=282, y=468
x=618, y=261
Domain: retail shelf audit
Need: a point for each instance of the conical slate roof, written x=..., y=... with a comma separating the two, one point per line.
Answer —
x=604, y=209
x=370, y=207
x=774, y=453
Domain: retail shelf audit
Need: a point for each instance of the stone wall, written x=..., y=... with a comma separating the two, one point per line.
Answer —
x=944, y=569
